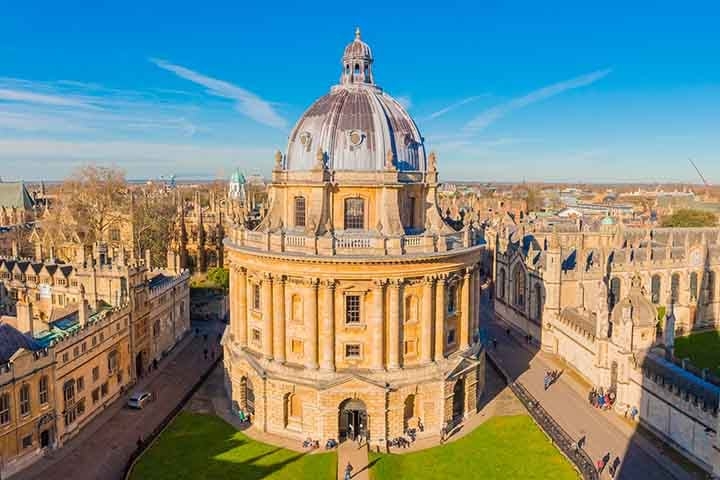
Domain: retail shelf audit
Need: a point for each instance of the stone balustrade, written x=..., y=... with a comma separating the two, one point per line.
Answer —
x=354, y=244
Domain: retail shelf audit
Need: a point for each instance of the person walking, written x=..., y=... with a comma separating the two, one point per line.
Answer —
x=348, y=471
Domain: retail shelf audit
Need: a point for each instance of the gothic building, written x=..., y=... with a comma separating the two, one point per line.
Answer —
x=608, y=302
x=354, y=305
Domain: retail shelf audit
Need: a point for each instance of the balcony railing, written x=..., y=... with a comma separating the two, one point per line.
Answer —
x=354, y=243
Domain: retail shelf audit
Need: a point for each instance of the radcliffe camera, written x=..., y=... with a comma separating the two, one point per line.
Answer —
x=359, y=242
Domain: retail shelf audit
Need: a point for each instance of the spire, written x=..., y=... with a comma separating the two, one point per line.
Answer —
x=357, y=33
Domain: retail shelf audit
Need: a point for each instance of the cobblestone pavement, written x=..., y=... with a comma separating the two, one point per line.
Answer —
x=103, y=447
x=566, y=401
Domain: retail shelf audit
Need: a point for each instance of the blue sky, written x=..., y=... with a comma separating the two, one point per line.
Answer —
x=502, y=91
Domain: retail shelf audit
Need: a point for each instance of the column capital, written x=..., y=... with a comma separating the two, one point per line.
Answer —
x=267, y=276
x=328, y=283
x=395, y=282
x=310, y=282
x=379, y=283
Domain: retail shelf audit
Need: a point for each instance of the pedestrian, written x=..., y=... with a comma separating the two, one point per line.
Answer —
x=494, y=342
x=197, y=331
x=348, y=471
x=582, y=441
x=421, y=427
x=507, y=330
x=359, y=439
x=443, y=431
x=205, y=352
x=139, y=443
x=155, y=363
x=351, y=433
x=212, y=354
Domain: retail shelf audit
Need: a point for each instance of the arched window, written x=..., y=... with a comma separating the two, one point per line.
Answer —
x=693, y=286
x=501, y=284
x=710, y=275
x=294, y=406
x=538, y=302
x=354, y=213
x=299, y=211
x=615, y=292
x=452, y=294
x=675, y=288
x=655, y=289
x=297, y=309
x=411, y=309
x=519, y=286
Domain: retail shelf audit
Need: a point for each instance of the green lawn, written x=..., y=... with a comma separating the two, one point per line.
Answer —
x=703, y=349
x=502, y=447
x=205, y=447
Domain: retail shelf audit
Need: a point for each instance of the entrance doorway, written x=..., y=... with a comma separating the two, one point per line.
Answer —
x=353, y=420
x=458, y=401
x=45, y=439
x=139, y=365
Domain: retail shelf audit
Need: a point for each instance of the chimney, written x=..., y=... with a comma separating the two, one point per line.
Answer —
x=24, y=316
x=147, y=259
x=83, y=308
x=15, y=251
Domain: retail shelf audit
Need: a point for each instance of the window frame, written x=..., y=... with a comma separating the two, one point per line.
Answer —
x=354, y=221
x=300, y=211
x=354, y=316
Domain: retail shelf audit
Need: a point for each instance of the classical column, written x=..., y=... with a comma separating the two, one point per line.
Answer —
x=465, y=311
x=267, y=316
x=377, y=326
x=241, y=327
x=311, y=320
x=394, y=327
x=279, y=319
x=327, y=327
x=426, y=327
x=440, y=319
x=477, y=295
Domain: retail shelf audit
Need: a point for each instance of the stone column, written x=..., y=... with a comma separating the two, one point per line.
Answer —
x=279, y=319
x=465, y=311
x=311, y=319
x=394, y=327
x=377, y=325
x=426, y=327
x=327, y=327
x=440, y=319
x=477, y=289
x=241, y=327
x=267, y=317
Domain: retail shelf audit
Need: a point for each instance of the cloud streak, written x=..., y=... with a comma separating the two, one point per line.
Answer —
x=453, y=106
x=24, y=96
x=246, y=102
x=493, y=114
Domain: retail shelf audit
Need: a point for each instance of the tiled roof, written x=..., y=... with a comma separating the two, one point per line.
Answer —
x=14, y=194
x=12, y=340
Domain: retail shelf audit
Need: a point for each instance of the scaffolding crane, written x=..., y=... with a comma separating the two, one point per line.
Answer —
x=707, y=185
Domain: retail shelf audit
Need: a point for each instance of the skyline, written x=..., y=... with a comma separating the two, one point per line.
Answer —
x=592, y=95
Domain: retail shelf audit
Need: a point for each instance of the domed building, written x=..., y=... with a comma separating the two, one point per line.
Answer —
x=354, y=306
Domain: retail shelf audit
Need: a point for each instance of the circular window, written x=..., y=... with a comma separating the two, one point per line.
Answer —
x=355, y=137
x=304, y=138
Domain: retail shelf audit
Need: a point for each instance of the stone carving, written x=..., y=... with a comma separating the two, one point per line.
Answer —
x=278, y=160
x=432, y=162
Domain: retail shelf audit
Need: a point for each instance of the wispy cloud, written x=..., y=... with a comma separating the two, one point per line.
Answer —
x=246, y=102
x=455, y=105
x=491, y=115
x=54, y=159
x=24, y=96
x=405, y=101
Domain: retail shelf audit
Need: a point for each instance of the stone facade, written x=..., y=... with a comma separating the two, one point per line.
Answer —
x=600, y=300
x=354, y=305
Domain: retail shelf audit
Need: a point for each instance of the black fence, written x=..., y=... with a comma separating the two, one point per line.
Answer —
x=148, y=440
x=552, y=429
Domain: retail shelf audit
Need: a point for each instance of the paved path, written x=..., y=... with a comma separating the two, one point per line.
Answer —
x=358, y=458
x=103, y=447
x=566, y=401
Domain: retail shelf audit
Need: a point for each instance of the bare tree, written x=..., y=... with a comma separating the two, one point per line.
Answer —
x=97, y=199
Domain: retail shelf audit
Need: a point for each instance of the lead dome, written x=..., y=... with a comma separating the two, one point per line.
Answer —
x=357, y=126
